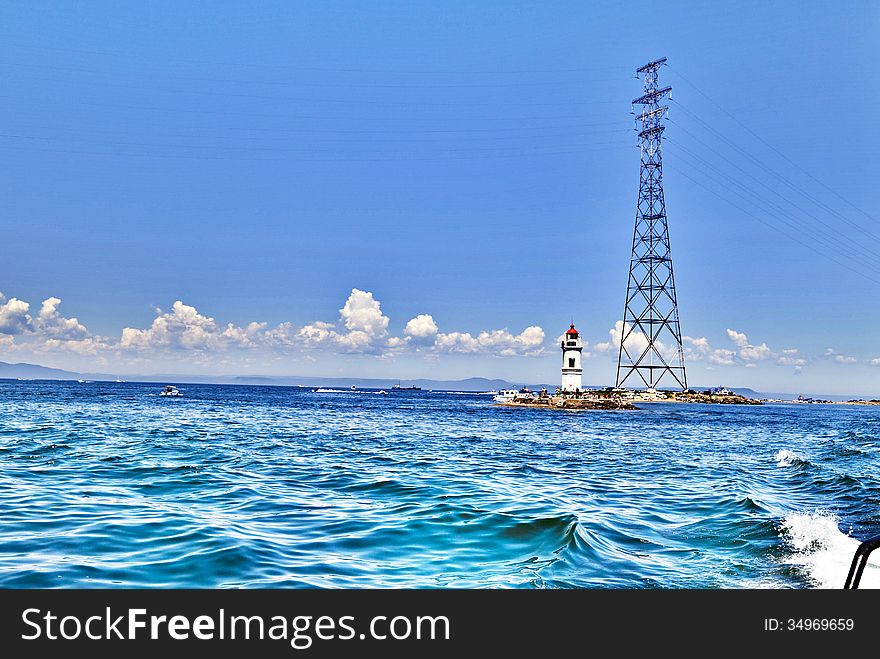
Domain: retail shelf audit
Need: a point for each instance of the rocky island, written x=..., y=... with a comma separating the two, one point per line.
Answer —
x=569, y=403
x=616, y=399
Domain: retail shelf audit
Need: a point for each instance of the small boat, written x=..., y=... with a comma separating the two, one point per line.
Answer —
x=506, y=396
x=170, y=391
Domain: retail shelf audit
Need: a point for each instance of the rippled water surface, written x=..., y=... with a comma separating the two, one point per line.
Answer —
x=108, y=484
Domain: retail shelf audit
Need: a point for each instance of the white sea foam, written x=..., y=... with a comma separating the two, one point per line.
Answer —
x=786, y=458
x=823, y=551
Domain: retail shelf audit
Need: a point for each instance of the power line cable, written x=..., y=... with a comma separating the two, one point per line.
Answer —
x=779, y=214
x=853, y=248
x=791, y=162
x=808, y=245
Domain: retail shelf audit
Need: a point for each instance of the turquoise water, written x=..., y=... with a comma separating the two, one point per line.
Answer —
x=108, y=484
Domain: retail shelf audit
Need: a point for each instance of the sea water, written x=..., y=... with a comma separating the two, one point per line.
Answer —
x=111, y=485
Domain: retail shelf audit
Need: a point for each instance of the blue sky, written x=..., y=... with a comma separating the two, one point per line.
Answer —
x=307, y=179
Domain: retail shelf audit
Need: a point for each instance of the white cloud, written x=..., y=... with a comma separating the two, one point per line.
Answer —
x=531, y=337
x=738, y=338
x=14, y=316
x=839, y=358
x=701, y=344
x=49, y=331
x=421, y=330
x=497, y=342
x=364, y=321
x=752, y=353
x=396, y=343
x=248, y=336
x=361, y=328
x=699, y=349
x=184, y=328
x=363, y=313
x=89, y=346
x=316, y=334
x=358, y=342
x=792, y=357
x=502, y=342
x=695, y=348
x=456, y=342
x=55, y=326
x=875, y=361
x=284, y=335
x=636, y=341
x=748, y=352
x=367, y=333
x=722, y=357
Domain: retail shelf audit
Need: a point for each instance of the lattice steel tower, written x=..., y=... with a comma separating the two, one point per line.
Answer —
x=650, y=343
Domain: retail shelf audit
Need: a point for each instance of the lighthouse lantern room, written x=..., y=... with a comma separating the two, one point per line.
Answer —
x=572, y=371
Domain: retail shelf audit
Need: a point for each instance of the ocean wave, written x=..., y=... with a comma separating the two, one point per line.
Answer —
x=557, y=531
x=282, y=487
x=860, y=436
x=786, y=458
x=823, y=551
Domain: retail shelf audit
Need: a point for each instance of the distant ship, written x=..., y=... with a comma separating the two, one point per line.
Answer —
x=397, y=387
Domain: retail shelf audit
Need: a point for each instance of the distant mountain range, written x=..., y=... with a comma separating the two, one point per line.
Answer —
x=36, y=372
x=29, y=371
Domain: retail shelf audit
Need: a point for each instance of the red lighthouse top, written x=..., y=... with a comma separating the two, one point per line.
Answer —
x=572, y=331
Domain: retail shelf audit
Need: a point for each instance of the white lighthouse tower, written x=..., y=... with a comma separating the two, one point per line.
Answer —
x=572, y=371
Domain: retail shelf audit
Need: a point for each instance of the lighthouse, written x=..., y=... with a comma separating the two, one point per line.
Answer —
x=571, y=360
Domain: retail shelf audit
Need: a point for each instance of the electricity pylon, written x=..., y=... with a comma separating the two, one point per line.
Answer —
x=650, y=340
